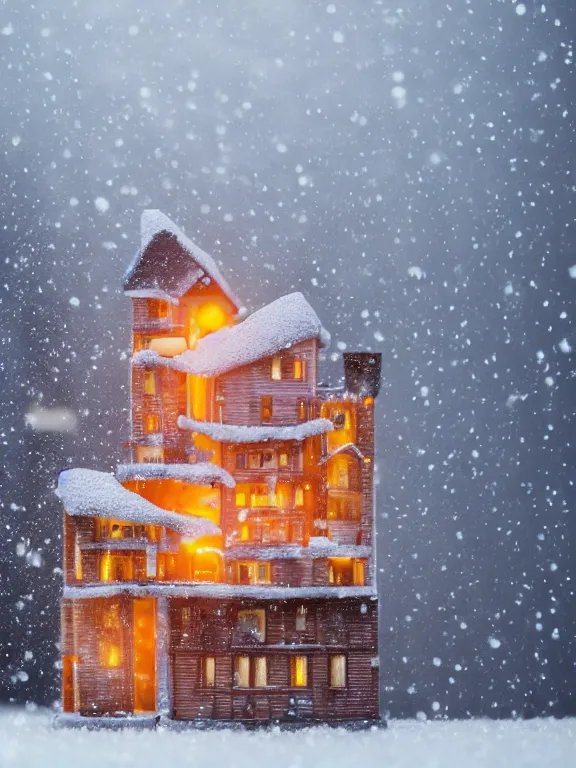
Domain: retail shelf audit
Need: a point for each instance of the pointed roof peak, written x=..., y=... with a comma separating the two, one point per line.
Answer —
x=175, y=276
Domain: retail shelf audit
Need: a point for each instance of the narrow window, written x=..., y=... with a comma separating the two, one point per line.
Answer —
x=266, y=408
x=245, y=532
x=302, y=410
x=240, y=461
x=260, y=672
x=208, y=672
x=149, y=383
x=338, y=671
x=299, y=496
x=240, y=499
x=299, y=369
x=242, y=672
x=283, y=460
x=263, y=573
x=298, y=671
x=359, y=573
x=276, y=370
x=151, y=423
x=301, y=619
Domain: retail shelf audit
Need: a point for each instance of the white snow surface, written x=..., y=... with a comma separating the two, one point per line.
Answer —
x=88, y=493
x=27, y=740
x=203, y=473
x=152, y=223
x=231, y=433
x=277, y=326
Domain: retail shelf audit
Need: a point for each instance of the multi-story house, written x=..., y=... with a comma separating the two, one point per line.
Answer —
x=227, y=573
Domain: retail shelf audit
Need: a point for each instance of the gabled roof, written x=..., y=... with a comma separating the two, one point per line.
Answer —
x=277, y=326
x=169, y=263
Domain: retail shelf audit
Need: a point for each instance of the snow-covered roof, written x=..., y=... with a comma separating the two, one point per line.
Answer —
x=203, y=473
x=168, y=274
x=347, y=448
x=277, y=326
x=230, y=433
x=88, y=493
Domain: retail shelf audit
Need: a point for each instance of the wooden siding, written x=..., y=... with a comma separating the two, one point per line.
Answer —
x=240, y=390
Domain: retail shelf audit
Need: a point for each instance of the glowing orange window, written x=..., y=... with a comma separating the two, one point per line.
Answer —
x=151, y=423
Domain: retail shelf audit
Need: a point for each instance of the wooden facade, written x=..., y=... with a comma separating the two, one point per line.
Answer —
x=274, y=617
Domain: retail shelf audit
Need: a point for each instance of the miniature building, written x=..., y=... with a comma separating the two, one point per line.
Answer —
x=228, y=572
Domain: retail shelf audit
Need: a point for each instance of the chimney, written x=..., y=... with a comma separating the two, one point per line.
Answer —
x=362, y=372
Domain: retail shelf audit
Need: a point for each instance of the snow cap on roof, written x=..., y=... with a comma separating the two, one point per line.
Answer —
x=277, y=326
x=232, y=433
x=88, y=493
x=180, y=274
x=202, y=473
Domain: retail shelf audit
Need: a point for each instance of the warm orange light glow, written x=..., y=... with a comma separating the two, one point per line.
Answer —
x=299, y=671
x=368, y=401
x=144, y=655
x=298, y=369
x=106, y=567
x=149, y=382
x=113, y=657
x=168, y=346
x=151, y=423
x=211, y=317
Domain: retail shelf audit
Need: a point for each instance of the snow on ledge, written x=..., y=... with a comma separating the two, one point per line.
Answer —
x=202, y=473
x=277, y=326
x=88, y=493
x=231, y=433
x=205, y=589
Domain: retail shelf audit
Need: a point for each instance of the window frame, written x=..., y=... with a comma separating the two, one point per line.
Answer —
x=254, y=665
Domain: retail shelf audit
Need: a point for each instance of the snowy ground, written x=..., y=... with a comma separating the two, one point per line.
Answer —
x=27, y=741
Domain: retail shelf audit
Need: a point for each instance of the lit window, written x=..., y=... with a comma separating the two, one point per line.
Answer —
x=244, y=533
x=208, y=671
x=240, y=499
x=266, y=408
x=299, y=496
x=253, y=573
x=250, y=672
x=301, y=619
x=283, y=460
x=242, y=672
x=260, y=672
x=298, y=671
x=299, y=369
x=276, y=369
x=302, y=410
x=359, y=573
x=338, y=671
x=149, y=383
x=151, y=423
